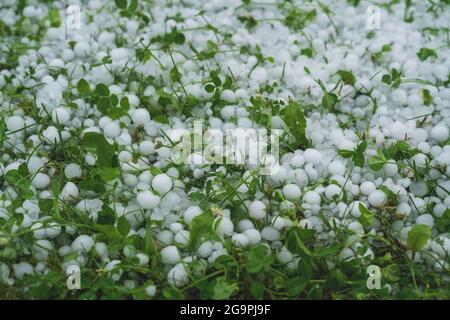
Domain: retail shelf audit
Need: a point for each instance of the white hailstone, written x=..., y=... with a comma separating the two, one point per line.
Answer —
x=259, y=74
x=291, y=192
x=22, y=268
x=312, y=156
x=356, y=227
x=15, y=123
x=51, y=135
x=312, y=198
x=165, y=237
x=439, y=210
x=443, y=189
x=112, y=129
x=419, y=188
x=346, y=254
x=177, y=276
x=224, y=226
x=354, y=208
x=176, y=227
x=278, y=222
x=367, y=188
x=297, y=161
x=41, y=249
x=148, y=200
x=439, y=133
x=253, y=235
x=101, y=249
x=83, y=243
x=333, y=192
x=240, y=240
x=41, y=181
x=170, y=255
x=191, y=213
x=146, y=148
x=162, y=183
x=426, y=219
x=35, y=164
x=419, y=160
x=182, y=238
x=140, y=116
x=61, y=115
x=390, y=168
x=403, y=209
x=245, y=224
x=377, y=198
x=150, y=290
x=336, y=168
x=205, y=249
x=270, y=234
x=72, y=170
x=257, y=210
x=69, y=191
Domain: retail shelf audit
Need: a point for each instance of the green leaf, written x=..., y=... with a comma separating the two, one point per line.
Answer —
x=427, y=98
x=367, y=218
x=425, y=53
x=96, y=143
x=257, y=290
x=201, y=226
x=83, y=87
x=111, y=232
x=102, y=90
x=123, y=226
x=121, y=4
x=347, y=77
x=295, y=121
x=258, y=258
x=377, y=162
x=418, y=236
x=175, y=75
x=223, y=288
x=296, y=285
x=346, y=153
x=54, y=17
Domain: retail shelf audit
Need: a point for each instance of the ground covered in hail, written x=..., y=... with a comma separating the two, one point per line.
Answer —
x=96, y=97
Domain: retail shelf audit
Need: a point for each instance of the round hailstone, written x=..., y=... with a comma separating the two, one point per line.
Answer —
x=140, y=116
x=257, y=210
x=170, y=255
x=312, y=198
x=41, y=181
x=112, y=129
x=333, y=192
x=253, y=235
x=419, y=188
x=426, y=219
x=439, y=133
x=403, y=209
x=72, y=170
x=146, y=148
x=182, y=238
x=177, y=276
x=367, y=188
x=61, y=115
x=15, y=123
x=312, y=156
x=240, y=240
x=270, y=234
x=148, y=200
x=390, y=168
x=336, y=168
x=291, y=192
x=150, y=290
x=191, y=213
x=83, y=243
x=35, y=163
x=162, y=183
x=224, y=227
x=354, y=209
x=205, y=249
x=377, y=198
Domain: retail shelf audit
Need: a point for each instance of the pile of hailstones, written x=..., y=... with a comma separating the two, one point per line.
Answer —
x=303, y=175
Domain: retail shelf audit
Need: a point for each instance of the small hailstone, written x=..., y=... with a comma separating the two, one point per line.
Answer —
x=165, y=237
x=426, y=219
x=270, y=234
x=333, y=192
x=240, y=240
x=403, y=209
x=182, y=238
x=205, y=249
x=439, y=133
x=224, y=226
x=253, y=235
x=390, y=168
x=140, y=116
x=22, y=268
x=102, y=250
x=112, y=129
x=72, y=170
x=83, y=243
x=148, y=200
x=177, y=276
x=41, y=180
x=367, y=187
x=170, y=255
x=312, y=198
x=61, y=115
x=291, y=192
x=354, y=209
x=35, y=164
x=336, y=168
x=312, y=156
x=150, y=290
x=257, y=210
x=162, y=183
x=146, y=148
x=377, y=198
x=191, y=213
x=15, y=123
